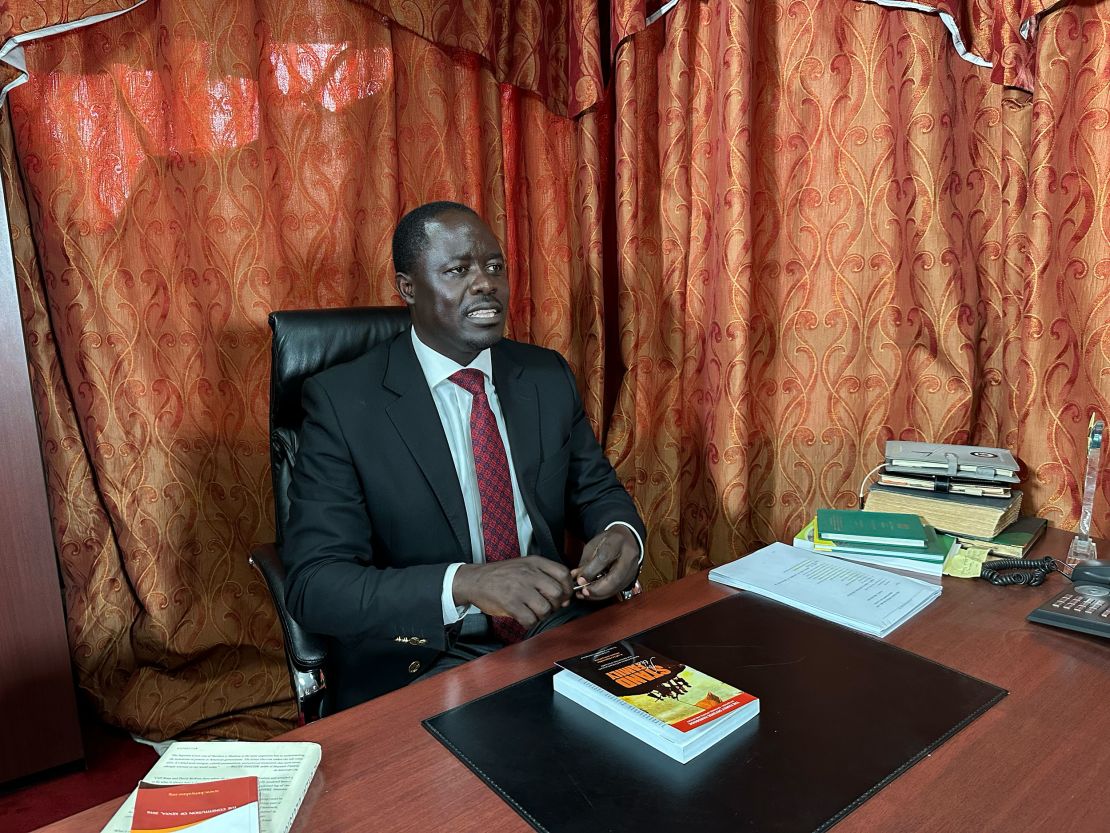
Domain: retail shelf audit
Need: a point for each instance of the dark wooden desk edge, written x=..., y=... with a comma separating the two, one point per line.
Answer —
x=511, y=664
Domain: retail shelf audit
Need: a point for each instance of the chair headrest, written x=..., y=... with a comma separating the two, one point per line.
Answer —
x=306, y=342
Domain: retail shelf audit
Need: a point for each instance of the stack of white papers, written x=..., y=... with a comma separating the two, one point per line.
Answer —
x=864, y=598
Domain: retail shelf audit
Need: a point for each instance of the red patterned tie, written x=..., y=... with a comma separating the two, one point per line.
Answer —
x=495, y=488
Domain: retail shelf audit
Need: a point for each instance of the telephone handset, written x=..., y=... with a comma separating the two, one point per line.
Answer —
x=1085, y=606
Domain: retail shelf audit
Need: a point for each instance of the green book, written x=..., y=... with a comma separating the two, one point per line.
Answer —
x=859, y=527
x=936, y=548
x=1014, y=541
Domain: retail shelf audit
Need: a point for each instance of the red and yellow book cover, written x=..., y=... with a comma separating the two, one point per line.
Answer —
x=229, y=805
x=669, y=691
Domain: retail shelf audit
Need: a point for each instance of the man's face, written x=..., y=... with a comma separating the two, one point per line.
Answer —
x=458, y=291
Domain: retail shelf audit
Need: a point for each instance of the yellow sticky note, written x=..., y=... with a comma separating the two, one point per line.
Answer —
x=966, y=562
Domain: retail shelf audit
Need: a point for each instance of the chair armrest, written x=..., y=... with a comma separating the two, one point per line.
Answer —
x=307, y=651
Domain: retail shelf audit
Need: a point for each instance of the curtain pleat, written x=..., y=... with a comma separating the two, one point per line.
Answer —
x=24, y=21
x=1000, y=35
x=549, y=47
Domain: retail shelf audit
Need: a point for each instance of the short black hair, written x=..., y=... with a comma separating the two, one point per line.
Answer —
x=411, y=237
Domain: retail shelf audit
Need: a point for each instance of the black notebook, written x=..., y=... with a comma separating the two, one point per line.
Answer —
x=842, y=715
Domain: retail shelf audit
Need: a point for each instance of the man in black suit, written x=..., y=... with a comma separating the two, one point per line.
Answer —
x=429, y=466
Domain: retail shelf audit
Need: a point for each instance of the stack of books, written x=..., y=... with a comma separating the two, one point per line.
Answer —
x=964, y=490
x=896, y=541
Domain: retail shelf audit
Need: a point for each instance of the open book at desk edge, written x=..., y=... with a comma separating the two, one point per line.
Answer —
x=284, y=769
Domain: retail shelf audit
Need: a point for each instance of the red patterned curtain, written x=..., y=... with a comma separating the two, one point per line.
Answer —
x=999, y=35
x=22, y=21
x=830, y=224
x=188, y=168
x=834, y=230
x=550, y=47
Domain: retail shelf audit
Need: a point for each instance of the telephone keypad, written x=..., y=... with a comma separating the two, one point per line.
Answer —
x=1084, y=607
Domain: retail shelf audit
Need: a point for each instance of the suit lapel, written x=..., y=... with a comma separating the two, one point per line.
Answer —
x=520, y=406
x=416, y=419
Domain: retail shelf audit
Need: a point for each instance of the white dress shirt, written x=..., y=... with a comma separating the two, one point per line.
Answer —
x=453, y=404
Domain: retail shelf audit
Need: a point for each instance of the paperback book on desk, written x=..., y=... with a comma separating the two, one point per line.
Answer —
x=229, y=805
x=666, y=704
x=282, y=770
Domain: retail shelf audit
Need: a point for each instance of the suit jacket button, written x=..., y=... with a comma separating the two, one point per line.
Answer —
x=414, y=666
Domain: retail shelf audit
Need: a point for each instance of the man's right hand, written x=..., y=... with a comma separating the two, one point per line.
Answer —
x=526, y=589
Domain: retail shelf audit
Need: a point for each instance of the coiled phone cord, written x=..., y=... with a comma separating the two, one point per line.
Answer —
x=1040, y=571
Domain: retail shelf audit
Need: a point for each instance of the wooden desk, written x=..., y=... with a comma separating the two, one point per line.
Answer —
x=1026, y=765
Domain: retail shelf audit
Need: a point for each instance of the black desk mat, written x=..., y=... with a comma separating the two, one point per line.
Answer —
x=841, y=715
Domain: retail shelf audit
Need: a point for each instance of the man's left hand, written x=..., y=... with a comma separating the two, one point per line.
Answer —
x=610, y=562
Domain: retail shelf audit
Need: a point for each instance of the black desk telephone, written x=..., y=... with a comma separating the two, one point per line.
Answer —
x=1085, y=606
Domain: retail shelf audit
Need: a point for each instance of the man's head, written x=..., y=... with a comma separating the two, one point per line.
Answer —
x=451, y=273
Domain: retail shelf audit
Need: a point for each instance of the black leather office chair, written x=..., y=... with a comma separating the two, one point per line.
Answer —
x=304, y=343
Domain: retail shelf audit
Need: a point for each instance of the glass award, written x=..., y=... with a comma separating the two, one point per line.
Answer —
x=1082, y=547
